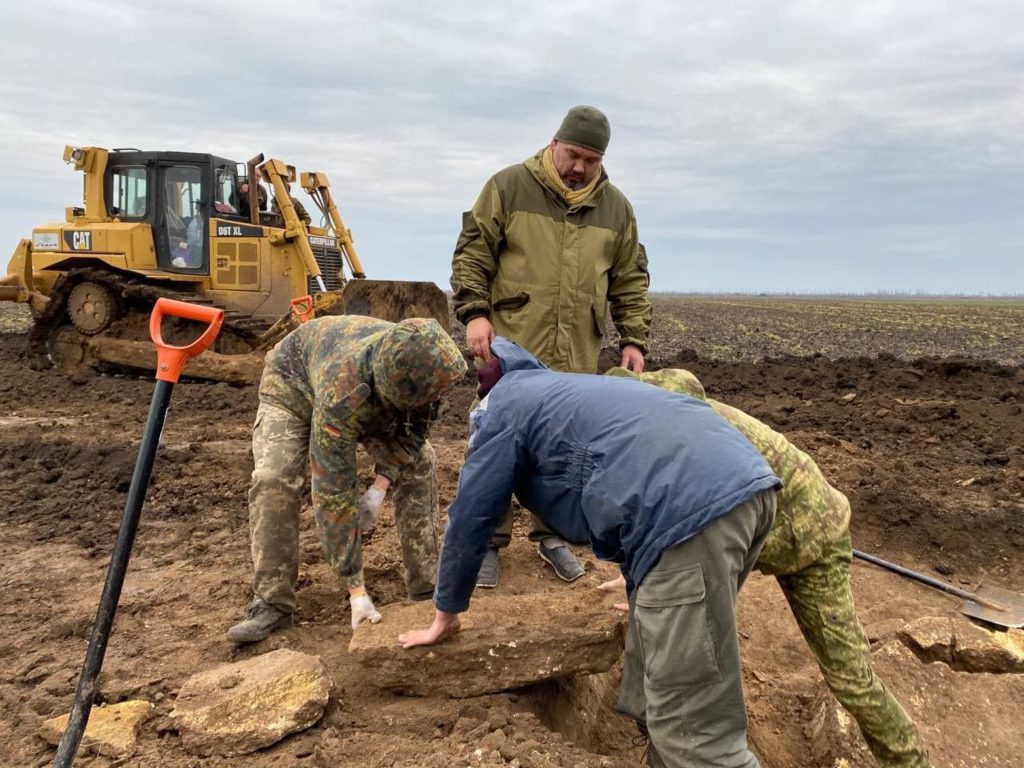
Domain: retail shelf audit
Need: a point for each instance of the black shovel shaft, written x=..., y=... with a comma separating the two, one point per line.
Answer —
x=961, y=593
x=86, y=691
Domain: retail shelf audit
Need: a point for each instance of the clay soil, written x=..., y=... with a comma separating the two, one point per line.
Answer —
x=930, y=449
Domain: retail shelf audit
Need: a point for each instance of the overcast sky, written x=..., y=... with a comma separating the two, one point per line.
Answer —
x=765, y=146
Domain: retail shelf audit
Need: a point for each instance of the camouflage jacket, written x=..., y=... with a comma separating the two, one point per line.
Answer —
x=300, y=211
x=811, y=514
x=331, y=372
x=547, y=273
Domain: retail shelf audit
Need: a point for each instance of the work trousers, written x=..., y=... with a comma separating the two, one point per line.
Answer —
x=681, y=675
x=822, y=602
x=280, y=446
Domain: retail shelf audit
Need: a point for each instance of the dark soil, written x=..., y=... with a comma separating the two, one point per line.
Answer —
x=930, y=452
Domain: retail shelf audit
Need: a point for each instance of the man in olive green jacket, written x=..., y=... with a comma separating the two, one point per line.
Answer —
x=548, y=249
x=809, y=552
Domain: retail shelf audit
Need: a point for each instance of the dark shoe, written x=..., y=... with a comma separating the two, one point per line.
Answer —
x=261, y=618
x=557, y=554
x=489, y=570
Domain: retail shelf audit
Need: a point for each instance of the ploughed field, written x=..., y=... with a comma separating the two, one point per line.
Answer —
x=913, y=408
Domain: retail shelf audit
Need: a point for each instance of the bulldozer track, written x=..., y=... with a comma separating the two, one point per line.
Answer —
x=134, y=297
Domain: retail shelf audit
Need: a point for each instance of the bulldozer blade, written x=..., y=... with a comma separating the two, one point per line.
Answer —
x=233, y=369
x=73, y=352
x=392, y=300
x=19, y=286
x=1000, y=607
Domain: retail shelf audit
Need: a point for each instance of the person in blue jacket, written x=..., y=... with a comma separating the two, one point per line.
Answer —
x=656, y=482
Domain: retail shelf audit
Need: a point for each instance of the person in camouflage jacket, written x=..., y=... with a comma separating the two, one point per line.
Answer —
x=809, y=551
x=300, y=209
x=330, y=385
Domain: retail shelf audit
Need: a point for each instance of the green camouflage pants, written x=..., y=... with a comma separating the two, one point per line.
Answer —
x=822, y=602
x=280, y=447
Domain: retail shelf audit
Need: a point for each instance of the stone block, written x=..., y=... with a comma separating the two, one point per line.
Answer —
x=112, y=731
x=506, y=642
x=965, y=645
x=238, y=708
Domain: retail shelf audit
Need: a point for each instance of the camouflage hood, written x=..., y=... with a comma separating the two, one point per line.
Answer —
x=676, y=380
x=415, y=362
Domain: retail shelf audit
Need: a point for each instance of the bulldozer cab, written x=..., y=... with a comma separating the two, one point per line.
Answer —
x=177, y=194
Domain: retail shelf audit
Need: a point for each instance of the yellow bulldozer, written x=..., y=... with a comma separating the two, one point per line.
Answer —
x=192, y=227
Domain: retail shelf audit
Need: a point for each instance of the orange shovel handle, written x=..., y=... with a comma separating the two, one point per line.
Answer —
x=169, y=358
x=302, y=308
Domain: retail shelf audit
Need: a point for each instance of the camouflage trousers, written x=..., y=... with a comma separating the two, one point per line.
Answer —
x=280, y=447
x=822, y=602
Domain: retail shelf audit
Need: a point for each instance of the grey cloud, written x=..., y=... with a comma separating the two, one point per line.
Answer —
x=764, y=146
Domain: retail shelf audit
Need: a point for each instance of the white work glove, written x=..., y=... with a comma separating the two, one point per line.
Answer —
x=363, y=610
x=369, y=507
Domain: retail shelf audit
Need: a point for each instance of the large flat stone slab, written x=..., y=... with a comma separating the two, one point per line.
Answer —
x=238, y=708
x=965, y=645
x=506, y=642
x=112, y=731
x=962, y=716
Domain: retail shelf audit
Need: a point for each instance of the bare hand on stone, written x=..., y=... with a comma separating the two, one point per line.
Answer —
x=445, y=625
x=616, y=584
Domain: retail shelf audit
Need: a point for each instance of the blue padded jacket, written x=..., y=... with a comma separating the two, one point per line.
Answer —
x=629, y=468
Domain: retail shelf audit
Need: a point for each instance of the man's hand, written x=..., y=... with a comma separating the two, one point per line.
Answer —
x=479, y=335
x=445, y=625
x=632, y=358
x=369, y=507
x=615, y=585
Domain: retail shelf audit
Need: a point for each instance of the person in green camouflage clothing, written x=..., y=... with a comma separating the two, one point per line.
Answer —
x=333, y=383
x=300, y=209
x=809, y=552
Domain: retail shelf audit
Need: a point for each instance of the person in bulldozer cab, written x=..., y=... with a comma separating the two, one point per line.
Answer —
x=332, y=384
x=300, y=209
x=243, y=194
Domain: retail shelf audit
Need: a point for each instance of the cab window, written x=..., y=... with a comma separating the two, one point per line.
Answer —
x=225, y=195
x=128, y=193
x=183, y=214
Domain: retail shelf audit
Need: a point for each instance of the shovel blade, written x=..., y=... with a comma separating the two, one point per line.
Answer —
x=1011, y=618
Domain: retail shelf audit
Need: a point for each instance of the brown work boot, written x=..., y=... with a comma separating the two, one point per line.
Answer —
x=261, y=618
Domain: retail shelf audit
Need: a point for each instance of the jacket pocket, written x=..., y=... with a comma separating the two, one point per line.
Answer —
x=518, y=301
x=349, y=403
x=597, y=313
x=674, y=630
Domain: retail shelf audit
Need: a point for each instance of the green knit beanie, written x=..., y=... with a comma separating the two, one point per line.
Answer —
x=585, y=127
